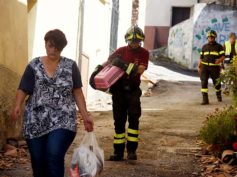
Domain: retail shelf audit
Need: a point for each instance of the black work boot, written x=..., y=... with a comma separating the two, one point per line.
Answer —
x=205, y=100
x=219, y=97
x=132, y=156
x=116, y=157
x=118, y=152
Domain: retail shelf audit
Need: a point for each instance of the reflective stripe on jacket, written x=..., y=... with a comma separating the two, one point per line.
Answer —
x=210, y=53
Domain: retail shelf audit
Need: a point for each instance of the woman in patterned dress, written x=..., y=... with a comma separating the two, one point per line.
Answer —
x=53, y=86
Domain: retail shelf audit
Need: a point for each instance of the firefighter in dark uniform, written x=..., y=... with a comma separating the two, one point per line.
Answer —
x=126, y=94
x=211, y=56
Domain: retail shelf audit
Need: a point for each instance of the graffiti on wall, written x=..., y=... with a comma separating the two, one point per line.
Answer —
x=187, y=38
x=221, y=26
x=177, y=37
x=215, y=17
x=179, y=42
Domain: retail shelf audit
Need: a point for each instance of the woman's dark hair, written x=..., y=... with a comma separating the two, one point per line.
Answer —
x=57, y=38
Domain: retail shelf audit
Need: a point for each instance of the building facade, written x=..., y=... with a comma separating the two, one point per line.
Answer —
x=161, y=15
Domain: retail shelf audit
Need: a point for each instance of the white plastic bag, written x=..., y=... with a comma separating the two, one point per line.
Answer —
x=88, y=158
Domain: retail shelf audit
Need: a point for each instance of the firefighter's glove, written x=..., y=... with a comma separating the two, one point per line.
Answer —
x=119, y=63
x=129, y=68
x=95, y=72
x=132, y=69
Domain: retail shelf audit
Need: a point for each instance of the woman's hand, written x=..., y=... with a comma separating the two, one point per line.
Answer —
x=89, y=124
x=16, y=113
x=81, y=103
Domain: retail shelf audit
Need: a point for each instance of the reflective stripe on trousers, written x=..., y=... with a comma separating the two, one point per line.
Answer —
x=206, y=73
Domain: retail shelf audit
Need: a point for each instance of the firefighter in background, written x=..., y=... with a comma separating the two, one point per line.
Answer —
x=211, y=57
x=230, y=48
x=126, y=93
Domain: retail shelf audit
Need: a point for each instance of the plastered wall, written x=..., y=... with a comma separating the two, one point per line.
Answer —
x=13, y=60
x=13, y=35
x=186, y=39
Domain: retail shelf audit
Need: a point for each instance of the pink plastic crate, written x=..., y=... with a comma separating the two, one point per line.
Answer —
x=107, y=77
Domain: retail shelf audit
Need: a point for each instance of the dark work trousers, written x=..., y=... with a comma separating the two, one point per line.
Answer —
x=126, y=106
x=214, y=73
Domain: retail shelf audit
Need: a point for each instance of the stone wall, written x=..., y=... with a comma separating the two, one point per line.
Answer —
x=13, y=60
x=8, y=85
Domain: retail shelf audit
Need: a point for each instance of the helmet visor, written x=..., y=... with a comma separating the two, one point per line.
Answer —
x=211, y=35
x=133, y=37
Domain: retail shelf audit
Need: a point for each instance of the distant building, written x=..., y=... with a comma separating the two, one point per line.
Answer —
x=160, y=15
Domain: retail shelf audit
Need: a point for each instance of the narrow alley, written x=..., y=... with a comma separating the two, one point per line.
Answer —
x=171, y=119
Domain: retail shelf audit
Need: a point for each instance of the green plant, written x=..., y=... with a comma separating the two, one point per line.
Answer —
x=229, y=78
x=219, y=127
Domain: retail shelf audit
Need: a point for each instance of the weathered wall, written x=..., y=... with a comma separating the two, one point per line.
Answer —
x=222, y=19
x=156, y=36
x=8, y=85
x=224, y=2
x=13, y=35
x=180, y=42
x=64, y=15
x=13, y=60
x=96, y=39
x=181, y=37
x=186, y=39
x=158, y=18
x=159, y=12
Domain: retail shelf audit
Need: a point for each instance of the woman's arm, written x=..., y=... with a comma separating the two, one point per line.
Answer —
x=81, y=103
x=20, y=97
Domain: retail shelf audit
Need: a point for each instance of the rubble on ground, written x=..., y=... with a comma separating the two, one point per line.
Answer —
x=213, y=166
x=14, y=152
x=161, y=52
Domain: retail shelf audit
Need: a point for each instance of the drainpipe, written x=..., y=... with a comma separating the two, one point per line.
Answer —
x=80, y=33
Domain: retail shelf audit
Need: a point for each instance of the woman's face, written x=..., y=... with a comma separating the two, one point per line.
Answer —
x=51, y=51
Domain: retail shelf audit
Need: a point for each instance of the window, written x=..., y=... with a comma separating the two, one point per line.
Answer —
x=180, y=14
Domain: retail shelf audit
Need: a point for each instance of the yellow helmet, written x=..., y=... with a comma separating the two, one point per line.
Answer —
x=134, y=33
x=211, y=33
